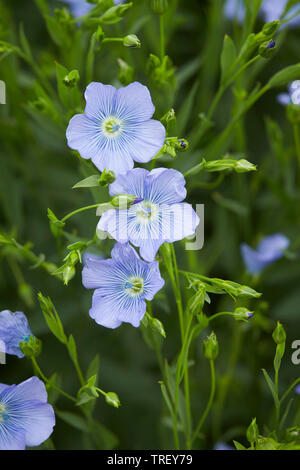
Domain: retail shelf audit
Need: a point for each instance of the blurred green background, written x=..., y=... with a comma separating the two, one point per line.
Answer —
x=38, y=171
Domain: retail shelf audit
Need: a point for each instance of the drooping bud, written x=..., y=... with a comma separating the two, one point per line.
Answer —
x=131, y=41
x=242, y=314
x=123, y=201
x=211, y=347
x=279, y=334
x=160, y=6
x=112, y=399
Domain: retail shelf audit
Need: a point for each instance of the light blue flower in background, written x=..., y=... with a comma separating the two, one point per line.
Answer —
x=293, y=95
x=79, y=7
x=116, y=128
x=26, y=419
x=223, y=446
x=269, y=250
x=270, y=10
x=235, y=9
x=297, y=389
x=122, y=284
x=14, y=329
x=159, y=217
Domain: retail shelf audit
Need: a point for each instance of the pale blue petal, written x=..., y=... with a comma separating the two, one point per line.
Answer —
x=133, y=103
x=12, y=439
x=38, y=420
x=272, y=247
x=14, y=328
x=96, y=273
x=153, y=281
x=165, y=186
x=145, y=139
x=83, y=135
x=253, y=260
x=130, y=183
x=124, y=252
x=235, y=9
x=100, y=100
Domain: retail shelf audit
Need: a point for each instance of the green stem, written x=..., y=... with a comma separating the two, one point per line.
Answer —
x=178, y=297
x=162, y=37
x=297, y=141
x=93, y=206
x=59, y=390
x=210, y=402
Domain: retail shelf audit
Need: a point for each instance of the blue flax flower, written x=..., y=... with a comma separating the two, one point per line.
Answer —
x=223, y=446
x=26, y=419
x=269, y=250
x=14, y=329
x=293, y=95
x=116, y=128
x=159, y=217
x=122, y=284
x=81, y=7
x=270, y=10
x=297, y=389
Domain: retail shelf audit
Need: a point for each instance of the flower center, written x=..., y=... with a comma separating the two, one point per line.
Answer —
x=25, y=339
x=111, y=127
x=134, y=286
x=3, y=413
x=146, y=211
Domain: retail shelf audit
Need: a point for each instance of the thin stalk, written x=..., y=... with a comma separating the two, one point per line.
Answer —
x=93, y=206
x=209, y=403
x=162, y=37
x=297, y=140
x=59, y=390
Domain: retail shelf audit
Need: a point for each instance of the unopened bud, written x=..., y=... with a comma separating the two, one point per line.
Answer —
x=279, y=334
x=112, y=399
x=131, y=41
x=122, y=201
x=31, y=347
x=211, y=347
x=71, y=79
x=107, y=177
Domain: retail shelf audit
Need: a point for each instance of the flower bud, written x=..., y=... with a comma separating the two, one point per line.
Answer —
x=112, y=399
x=122, y=201
x=68, y=273
x=169, y=119
x=211, y=347
x=31, y=347
x=271, y=28
x=159, y=6
x=131, y=41
x=182, y=144
x=279, y=334
x=126, y=72
x=252, y=432
x=242, y=314
x=267, y=49
x=71, y=79
x=107, y=177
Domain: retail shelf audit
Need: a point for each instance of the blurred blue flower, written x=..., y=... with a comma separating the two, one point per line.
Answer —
x=81, y=7
x=297, y=389
x=223, y=446
x=26, y=419
x=116, y=128
x=270, y=10
x=122, y=284
x=269, y=250
x=235, y=9
x=293, y=95
x=159, y=217
x=14, y=329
